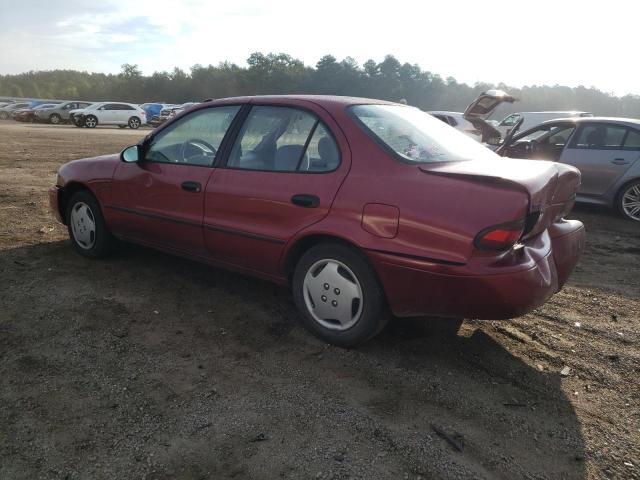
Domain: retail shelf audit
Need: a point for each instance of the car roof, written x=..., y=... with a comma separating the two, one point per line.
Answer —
x=443, y=112
x=324, y=100
x=553, y=112
x=630, y=122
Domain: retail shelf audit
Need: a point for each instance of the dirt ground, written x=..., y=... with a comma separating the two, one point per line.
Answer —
x=149, y=366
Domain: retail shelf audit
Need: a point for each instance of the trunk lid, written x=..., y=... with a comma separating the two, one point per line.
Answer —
x=481, y=109
x=549, y=186
x=483, y=106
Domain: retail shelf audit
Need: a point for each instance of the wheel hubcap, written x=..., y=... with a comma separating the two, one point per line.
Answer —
x=90, y=122
x=631, y=202
x=332, y=294
x=83, y=225
x=134, y=123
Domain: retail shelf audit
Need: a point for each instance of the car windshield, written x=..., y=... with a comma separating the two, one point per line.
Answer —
x=418, y=137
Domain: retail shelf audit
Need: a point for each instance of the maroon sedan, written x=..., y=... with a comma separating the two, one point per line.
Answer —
x=364, y=207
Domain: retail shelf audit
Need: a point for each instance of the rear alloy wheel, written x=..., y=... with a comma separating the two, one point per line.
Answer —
x=54, y=119
x=338, y=295
x=87, y=228
x=628, y=202
x=91, y=121
x=134, y=123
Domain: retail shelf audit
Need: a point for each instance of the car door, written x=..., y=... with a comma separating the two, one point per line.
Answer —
x=105, y=114
x=280, y=176
x=160, y=198
x=597, y=150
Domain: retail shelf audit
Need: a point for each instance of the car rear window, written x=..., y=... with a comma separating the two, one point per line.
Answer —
x=417, y=137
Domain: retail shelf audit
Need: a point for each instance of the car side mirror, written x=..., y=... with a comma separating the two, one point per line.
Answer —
x=130, y=154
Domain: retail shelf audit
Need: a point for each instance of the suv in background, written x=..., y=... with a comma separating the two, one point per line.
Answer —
x=59, y=113
x=109, y=113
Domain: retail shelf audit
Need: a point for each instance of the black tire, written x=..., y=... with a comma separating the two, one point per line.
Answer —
x=134, y=123
x=78, y=121
x=374, y=314
x=55, y=119
x=91, y=121
x=102, y=243
x=633, y=188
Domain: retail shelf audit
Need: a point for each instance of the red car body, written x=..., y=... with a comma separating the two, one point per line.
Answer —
x=417, y=225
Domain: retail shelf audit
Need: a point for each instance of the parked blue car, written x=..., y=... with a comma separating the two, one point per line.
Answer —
x=152, y=109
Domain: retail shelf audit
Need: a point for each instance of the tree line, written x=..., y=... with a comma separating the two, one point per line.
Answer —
x=280, y=73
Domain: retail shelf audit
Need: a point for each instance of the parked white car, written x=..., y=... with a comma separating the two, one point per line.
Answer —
x=109, y=113
x=533, y=119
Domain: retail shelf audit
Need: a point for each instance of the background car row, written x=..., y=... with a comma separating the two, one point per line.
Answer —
x=90, y=114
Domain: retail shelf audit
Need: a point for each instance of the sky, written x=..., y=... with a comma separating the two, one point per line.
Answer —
x=565, y=42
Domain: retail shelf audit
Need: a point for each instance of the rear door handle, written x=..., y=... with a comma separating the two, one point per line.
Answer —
x=305, y=200
x=193, y=187
x=620, y=161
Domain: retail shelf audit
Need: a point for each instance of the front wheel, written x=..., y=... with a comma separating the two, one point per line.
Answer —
x=628, y=201
x=91, y=121
x=54, y=119
x=134, y=122
x=87, y=229
x=339, y=296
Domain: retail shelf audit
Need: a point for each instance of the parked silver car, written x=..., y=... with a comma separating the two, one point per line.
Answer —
x=59, y=113
x=605, y=150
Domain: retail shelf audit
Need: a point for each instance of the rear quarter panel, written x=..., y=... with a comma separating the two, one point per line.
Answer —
x=439, y=217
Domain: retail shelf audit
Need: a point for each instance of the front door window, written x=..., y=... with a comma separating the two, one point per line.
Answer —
x=195, y=139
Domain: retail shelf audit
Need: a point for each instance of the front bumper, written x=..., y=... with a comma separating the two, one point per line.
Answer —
x=54, y=203
x=506, y=288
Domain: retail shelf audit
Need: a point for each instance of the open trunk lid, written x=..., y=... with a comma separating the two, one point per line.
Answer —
x=549, y=186
x=482, y=107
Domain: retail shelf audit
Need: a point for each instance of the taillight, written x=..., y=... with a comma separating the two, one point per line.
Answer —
x=500, y=237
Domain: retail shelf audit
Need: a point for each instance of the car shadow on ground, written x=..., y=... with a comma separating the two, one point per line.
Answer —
x=147, y=364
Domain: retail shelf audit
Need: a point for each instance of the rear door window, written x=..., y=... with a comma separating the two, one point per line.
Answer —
x=632, y=142
x=599, y=137
x=283, y=139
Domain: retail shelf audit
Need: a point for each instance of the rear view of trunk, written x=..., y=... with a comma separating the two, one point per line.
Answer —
x=549, y=189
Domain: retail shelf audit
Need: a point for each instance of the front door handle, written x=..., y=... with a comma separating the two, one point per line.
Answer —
x=620, y=161
x=305, y=200
x=193, y=187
